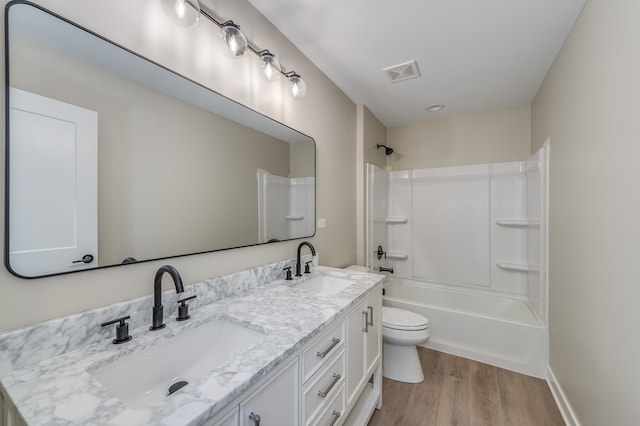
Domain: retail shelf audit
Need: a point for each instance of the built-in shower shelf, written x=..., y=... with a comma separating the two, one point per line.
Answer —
x=292, y=217
x=396, y=220
x=518, y=223
x=518, y=267
x=397, y=256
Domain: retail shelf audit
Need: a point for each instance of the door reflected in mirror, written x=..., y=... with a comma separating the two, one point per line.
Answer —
x=117, y=158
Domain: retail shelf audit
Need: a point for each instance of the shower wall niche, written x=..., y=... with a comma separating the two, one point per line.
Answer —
x=480, y=226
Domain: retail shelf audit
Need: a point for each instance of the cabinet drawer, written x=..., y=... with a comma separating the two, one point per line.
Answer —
x=323, y=386
x=314, y=357
x=276, y=403
x=333, y=413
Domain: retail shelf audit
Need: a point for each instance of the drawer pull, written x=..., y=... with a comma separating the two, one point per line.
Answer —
x=336, y=378
x=365, y=315
x=255, y=418
x=336, y=415
x=334, y=342
x=370, y=308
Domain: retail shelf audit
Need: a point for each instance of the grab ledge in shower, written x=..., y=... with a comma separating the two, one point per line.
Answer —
x=396, y=220
x=397, y=256
x=518, y=267
x=518, y=223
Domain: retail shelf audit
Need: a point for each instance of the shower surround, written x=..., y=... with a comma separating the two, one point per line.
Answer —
x=478, y=229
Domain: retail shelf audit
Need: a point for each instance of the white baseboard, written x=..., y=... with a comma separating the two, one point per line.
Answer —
x=568, y=415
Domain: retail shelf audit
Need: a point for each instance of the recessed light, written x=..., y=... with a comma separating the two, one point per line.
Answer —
x=435, y=108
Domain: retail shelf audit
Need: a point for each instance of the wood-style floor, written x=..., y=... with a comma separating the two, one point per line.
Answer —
x=459, y=391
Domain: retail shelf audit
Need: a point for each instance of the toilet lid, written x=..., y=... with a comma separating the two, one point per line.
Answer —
x=400, y=319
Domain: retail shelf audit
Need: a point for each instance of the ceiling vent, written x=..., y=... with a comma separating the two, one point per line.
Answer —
x=402, y=72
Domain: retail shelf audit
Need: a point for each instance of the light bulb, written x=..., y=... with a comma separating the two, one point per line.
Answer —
x=268, y=72
x=185, y=13
x=233, y=45
x=270, y=66
x=180, y=9
x=297, y=85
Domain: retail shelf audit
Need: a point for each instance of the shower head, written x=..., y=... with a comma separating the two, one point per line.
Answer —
x=387, y=150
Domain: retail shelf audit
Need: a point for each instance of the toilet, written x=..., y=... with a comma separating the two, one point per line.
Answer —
x=402, y=331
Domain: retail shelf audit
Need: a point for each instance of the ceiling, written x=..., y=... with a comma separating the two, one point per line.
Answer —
x=472, y=55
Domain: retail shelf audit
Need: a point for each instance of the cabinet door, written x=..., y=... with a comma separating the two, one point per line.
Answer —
x=355, y=350
x=276, y=403
x=373, y=337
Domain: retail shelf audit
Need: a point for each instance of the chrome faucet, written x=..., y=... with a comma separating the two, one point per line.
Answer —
x=157, y=323
x=298, y=263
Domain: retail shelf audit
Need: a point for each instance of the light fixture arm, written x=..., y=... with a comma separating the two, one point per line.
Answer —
x=207, y=15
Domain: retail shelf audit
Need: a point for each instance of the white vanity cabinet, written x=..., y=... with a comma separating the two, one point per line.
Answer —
x=315, y=362
x=322, y=390
x=324, y=374
x=327, y=382
x=364, y=345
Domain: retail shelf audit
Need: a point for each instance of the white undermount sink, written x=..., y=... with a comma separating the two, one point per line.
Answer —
x=325, y=284
x=144, y=378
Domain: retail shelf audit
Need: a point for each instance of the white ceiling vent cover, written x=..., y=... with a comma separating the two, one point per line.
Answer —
x=402, y=72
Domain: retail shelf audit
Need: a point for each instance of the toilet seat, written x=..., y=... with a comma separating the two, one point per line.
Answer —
x=400, y=319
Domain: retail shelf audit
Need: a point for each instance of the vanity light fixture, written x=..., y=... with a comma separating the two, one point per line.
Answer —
x=186, y=13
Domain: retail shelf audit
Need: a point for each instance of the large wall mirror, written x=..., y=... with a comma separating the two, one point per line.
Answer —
x=113, y=159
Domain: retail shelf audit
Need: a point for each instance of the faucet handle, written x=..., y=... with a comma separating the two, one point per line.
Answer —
x=183, y=309
x=288, y=269
x=307, y=268
x=122, y=329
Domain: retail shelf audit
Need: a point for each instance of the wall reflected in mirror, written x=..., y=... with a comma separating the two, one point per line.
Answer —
x=113, y=156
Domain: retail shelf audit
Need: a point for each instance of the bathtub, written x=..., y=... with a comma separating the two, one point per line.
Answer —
x=501, y=331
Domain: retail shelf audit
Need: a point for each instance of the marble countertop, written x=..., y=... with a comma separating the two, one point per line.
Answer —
x=61, y=390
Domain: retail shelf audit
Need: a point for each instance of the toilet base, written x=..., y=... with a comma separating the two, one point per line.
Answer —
x=401, y=363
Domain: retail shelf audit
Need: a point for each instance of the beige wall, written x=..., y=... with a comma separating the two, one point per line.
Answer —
x=588, y=106
x=371, y=132
x=302, y=160
x=486, y=137
x=325, y=114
